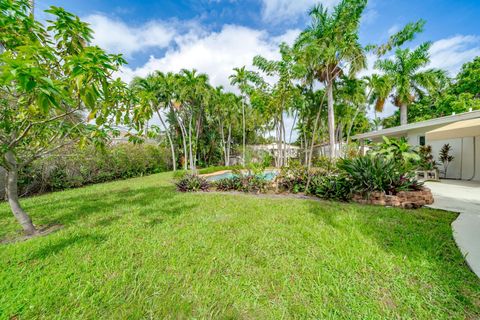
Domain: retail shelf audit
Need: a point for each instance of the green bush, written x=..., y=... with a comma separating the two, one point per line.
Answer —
x=293, y=178
x=192, y=183
x=73, y=167
x=245, y=182
x=376, y=173
x=331, y=187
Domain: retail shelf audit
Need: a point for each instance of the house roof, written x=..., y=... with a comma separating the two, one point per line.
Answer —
x=418, y=125
x=460, y=129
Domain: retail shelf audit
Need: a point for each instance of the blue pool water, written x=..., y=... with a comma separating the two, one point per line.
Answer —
x=268, y=175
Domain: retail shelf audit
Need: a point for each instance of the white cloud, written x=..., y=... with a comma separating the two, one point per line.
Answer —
x=117, y=37
x=215, y=54
x=451, y=53
x=279, y=10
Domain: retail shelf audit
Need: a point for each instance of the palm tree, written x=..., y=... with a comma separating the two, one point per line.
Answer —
x=194, y=93
x=241, y=78
x=328, y=46
x=154, y=93
x=407, y=78
x=282, y=93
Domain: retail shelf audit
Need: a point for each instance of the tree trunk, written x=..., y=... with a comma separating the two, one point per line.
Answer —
x=244, y=132
x=284, y=146
x=403, y=115
x=172, y=148
x=184, y=139
x=229, y=142
x=11, y=189
x=331, y=118
x=224, y=143
x=190, y=144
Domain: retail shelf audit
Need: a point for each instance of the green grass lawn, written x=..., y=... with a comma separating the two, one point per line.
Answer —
x=138, y=249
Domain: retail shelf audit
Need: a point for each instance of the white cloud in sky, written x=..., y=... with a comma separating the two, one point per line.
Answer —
x=189, y=46
x=275, y=11
x=451, y=53
x=215, y=54
x=115, y=36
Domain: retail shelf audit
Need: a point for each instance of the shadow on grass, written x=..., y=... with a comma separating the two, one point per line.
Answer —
x=65, y=243
x=417, y=238
x=154, y=203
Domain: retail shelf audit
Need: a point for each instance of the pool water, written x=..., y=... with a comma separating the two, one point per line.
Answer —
x=268, y=175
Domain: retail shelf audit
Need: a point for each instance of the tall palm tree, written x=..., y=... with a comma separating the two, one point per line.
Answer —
x=241, y=78
x=328, y=46
x=153, y=93
x=407, y=77
x=194, y=93
x=379, y=87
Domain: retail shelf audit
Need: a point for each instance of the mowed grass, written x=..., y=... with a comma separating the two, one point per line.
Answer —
x=137, y=249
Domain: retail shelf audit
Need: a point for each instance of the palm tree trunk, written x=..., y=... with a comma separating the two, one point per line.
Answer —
x=11, y=189
x=184, y=142
x=403, y=114
x=229, y=140
x=190, y=143
x=284, y=146
x=172, y=148
x=224, y=143
x=244, y=132
x=331, y=118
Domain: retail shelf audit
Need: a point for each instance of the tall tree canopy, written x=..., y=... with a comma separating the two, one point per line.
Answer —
x=56, y=89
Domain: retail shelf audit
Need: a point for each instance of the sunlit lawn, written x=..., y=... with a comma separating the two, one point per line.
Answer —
x=138, y=249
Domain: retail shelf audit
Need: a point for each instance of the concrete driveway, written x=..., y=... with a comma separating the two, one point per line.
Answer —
x=462, y=197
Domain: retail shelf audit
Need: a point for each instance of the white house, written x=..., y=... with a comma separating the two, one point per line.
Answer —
x=461, y=131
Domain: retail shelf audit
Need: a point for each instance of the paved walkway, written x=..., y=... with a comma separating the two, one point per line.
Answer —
x=463, y=197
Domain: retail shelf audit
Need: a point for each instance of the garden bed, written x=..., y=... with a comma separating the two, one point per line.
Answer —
x=403, y=199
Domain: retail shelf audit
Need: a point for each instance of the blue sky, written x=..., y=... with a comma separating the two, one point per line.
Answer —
x=215, y=36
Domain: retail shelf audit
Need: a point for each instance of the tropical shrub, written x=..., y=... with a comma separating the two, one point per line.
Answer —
x=446, y=157
x=293, y=178
x=325, y=164
x=426, y=159
x=331, y=187
x=376, y=173
x=398, y=150
x=73, y=167
x=192, y=183
x=228, y=184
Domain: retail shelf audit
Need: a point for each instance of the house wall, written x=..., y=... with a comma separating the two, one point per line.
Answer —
x=463, y=149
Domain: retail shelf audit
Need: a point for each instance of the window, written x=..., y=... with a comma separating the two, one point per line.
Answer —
x=421, y=140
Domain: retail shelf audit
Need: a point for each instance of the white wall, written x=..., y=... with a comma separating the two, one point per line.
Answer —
x=462, y=167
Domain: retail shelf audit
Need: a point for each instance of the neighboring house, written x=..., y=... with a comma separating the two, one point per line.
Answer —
x=461, y=131
x=123, y=137
x=291, y=151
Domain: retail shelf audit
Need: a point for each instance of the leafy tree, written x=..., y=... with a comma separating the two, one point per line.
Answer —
x=243, y=79
x=449, y=96
x=406, y=77
x=153, y=96
x=282, y=94
x=468, y=80
x=55, y=90
x=330, y=45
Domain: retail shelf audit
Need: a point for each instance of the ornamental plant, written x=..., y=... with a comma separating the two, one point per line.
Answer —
x=446, y=158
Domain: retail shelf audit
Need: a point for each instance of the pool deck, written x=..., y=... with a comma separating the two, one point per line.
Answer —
x=216, y=173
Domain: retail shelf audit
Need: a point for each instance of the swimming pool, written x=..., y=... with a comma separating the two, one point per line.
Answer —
x=268, y=175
